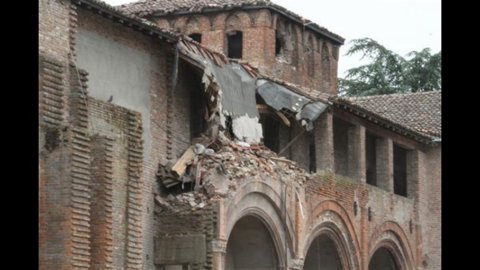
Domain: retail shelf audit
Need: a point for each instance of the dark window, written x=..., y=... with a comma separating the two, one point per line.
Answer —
x=313, y=158
x=270, y=128
x=278, y=43
x=399, y=170
x=371, y=159
x=278, y=46
x=198, y=101
x=235, y=43
x=197, y=37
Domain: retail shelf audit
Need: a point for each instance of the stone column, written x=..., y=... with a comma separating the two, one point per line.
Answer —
x=384, y=148
x=356, y=153
x=323, y=136
x=219, y=244
x=413, y=164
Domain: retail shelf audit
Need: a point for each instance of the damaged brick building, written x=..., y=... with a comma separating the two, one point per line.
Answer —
x=208, y=135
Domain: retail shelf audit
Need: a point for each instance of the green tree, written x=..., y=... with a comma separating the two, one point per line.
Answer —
x=423, y=72
x=388, y=72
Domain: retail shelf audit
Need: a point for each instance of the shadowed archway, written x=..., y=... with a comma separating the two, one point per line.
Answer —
x=250, y=246
x=323, y=255
x=382, y=259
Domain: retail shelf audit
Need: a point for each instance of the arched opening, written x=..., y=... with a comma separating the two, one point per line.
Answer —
x=382, y=259
x=323, y=255
x=250, y=246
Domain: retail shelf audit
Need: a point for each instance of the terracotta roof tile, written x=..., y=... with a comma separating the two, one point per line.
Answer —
x=420, y=112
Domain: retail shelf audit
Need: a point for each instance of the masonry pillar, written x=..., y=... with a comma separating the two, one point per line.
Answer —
x=356, y=153
x=323, y=136
x=219, y=251
x=384, y=148
x=219, y=245
x=412, y=174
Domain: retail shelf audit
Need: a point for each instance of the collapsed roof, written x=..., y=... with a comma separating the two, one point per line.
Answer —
x=236, y=87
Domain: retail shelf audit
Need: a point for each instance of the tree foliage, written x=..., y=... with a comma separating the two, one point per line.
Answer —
x=388, y=72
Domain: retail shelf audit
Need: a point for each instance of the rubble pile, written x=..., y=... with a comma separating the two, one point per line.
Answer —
x=218, y=174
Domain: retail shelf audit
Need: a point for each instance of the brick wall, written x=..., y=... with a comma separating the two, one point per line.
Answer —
x=54, y=23
x=135, y=73
x=384, y=207
x=429, y=207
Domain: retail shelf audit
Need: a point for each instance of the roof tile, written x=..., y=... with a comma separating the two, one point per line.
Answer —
x=420, y=112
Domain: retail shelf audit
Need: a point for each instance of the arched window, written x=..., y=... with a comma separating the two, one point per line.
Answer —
x=235, y=44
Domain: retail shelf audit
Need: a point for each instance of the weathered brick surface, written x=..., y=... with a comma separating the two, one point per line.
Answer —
x=54, y=23
x=258, y=29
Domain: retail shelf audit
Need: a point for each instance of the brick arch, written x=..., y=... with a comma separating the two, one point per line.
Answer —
x=391, y=236
x=237, y=21
x=196, y=24
x=263, y=18
x=310, y=57
x=163, y=23
x=319, y=45
x=311, y=40
x=341, y=231
x=180, y=23
x=296, y=38
x=259, y=199
x=326, y=68
x=218, y=22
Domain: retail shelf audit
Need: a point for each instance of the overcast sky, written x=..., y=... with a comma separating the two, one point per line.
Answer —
x=400, y=25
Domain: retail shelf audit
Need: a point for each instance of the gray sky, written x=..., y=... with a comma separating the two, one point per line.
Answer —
x=400, y=25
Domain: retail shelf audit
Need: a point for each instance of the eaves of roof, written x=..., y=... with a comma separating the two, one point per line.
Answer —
x=130, y=21
x=379, y=120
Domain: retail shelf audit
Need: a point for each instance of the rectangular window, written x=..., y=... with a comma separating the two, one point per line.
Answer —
x=235, y=44
x=371, y=159
x=270, y=128
x=399, y=170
